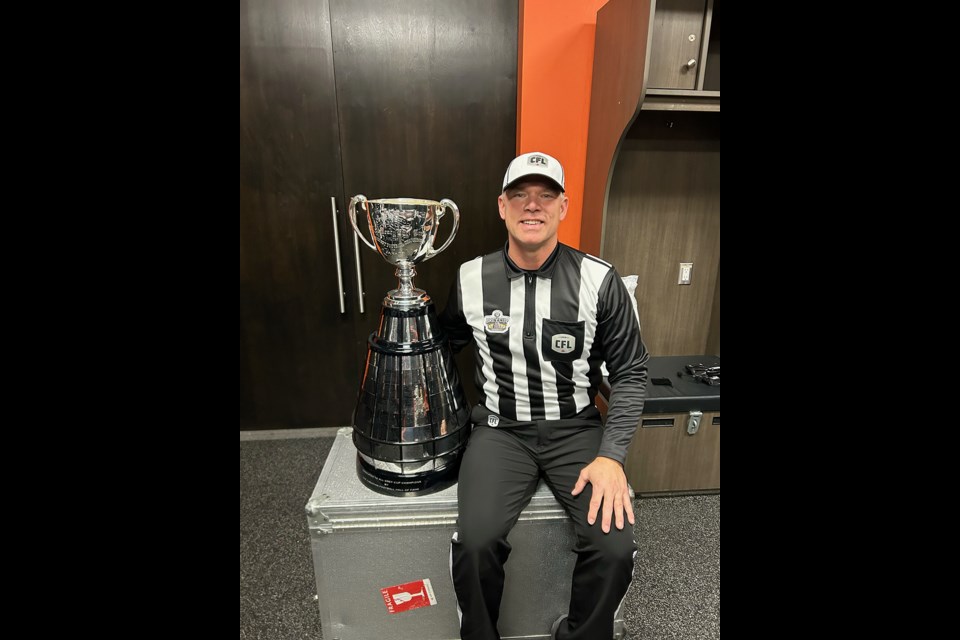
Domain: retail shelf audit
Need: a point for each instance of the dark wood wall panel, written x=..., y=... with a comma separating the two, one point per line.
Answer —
x=664, y=209
x=427, y=94
x=386, y=98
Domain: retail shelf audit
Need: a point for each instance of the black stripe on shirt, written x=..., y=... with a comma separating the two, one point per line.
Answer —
x=497, y=297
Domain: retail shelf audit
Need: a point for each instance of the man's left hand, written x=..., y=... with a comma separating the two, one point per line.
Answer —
x=609, y=487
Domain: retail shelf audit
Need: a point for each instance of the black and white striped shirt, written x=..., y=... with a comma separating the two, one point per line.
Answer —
x=542, y=335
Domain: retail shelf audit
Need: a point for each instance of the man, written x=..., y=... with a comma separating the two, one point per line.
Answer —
x=543, y=317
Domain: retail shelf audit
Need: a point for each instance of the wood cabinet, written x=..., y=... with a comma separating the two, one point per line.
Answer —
x=652, y=184
x=388, y=98
x=652, y=202
x=665, y=457
x=676, y=447
x=685, y=46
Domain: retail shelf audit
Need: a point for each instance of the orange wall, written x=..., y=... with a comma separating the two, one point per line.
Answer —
x=555, y=75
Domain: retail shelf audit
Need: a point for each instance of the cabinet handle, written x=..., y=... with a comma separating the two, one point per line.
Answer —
x=647, y=423
x=336, y=248
x=356, y=255
x=691, y=63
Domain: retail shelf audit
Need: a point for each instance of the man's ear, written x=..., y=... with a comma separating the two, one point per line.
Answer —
x=502, y=206
x=563, y=206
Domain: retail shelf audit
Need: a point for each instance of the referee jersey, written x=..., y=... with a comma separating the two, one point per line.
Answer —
x=542, y=335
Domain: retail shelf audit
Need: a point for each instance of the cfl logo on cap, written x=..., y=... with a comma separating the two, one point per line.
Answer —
x=563, y=343
x=537, y=160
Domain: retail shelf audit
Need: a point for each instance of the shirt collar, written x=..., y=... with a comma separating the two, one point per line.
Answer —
x=545, y=270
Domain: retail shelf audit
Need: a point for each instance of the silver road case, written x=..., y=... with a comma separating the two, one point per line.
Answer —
x=364, y=542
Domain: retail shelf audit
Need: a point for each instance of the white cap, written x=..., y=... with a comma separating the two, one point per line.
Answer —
x=534, y=163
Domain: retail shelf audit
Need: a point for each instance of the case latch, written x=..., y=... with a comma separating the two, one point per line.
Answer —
x=693, y=423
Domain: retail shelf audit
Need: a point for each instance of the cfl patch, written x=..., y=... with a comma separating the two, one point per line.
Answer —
x=563, y=343
x=496, y=322
x=493, y=420
x=539, y=161
x=562, y=340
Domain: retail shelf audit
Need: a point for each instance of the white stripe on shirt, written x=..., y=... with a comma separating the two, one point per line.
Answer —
x=591, y=277
x=471, y=291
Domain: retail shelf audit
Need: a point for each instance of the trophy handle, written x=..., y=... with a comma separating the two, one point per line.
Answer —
x=353, y=217
x=450, y=204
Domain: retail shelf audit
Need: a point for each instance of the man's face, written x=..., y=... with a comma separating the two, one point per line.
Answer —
x=532, y=211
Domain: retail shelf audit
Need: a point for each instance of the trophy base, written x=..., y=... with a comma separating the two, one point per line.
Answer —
x=403, y=485
x=411, y=422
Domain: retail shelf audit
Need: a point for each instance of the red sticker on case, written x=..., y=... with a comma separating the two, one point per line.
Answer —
x=412, y=595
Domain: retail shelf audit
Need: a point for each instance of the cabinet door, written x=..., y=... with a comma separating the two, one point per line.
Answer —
x=675, y=48
x=697, y=465
x=300, y=357
x=663, y=457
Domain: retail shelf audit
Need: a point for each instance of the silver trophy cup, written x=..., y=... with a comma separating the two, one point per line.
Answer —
x=403, y=232
x=411, y=422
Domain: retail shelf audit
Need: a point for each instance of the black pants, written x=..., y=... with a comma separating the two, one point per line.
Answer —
x=498, y=476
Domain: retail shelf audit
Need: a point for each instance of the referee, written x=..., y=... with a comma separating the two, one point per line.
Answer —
x=543, y=317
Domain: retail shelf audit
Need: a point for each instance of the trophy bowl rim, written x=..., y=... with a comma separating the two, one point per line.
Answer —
x=406, y=201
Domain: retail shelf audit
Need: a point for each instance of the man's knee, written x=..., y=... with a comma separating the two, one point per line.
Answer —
x=614, y=549
x=480, y=540
x=623, y=549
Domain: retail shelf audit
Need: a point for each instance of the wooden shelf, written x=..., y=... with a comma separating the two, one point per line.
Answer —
x=680, y=100
x=687, y=93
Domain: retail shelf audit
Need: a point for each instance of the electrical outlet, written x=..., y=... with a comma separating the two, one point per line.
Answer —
x=685, y=269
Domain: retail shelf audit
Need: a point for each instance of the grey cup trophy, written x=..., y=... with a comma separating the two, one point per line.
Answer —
x=411, y=422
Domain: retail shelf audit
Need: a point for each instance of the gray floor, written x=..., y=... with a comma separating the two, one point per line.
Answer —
x=675, y=592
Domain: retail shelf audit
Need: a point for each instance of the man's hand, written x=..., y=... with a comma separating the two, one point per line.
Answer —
x=610, y=487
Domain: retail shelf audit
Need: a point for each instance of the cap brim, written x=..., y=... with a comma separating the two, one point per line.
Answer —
x=536, y=176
